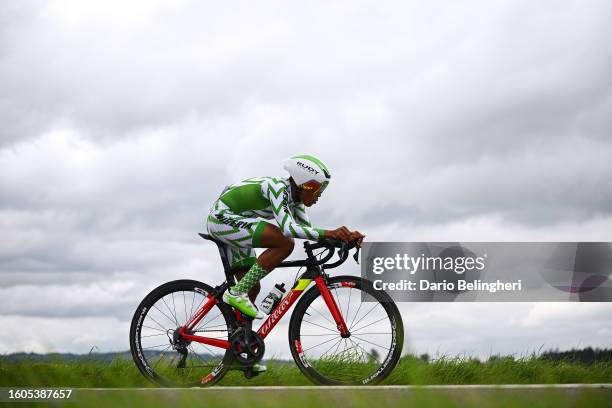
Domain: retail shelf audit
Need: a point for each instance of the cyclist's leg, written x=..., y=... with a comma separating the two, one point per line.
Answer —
x=254, y=291
x=240, y=234
x=279, y=247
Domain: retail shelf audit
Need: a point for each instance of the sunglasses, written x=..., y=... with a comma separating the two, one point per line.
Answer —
x=316, y=187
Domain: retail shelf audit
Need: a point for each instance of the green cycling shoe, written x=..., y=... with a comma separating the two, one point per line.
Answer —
x=242, y=302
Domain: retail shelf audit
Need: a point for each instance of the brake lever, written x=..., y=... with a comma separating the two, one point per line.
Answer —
x=356, y=254
x=343, y=250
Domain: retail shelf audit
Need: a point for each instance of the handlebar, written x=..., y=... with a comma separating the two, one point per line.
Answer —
x=329, y=244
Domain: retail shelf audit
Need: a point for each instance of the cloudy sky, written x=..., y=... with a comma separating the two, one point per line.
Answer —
x=122, y=121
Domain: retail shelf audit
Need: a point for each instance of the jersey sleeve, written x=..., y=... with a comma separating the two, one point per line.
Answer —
x=278, y=195
x=300, y=215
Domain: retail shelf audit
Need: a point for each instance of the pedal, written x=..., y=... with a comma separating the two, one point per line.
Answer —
x=250, y=373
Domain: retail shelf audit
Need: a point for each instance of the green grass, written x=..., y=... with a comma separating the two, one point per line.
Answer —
x=410, y=370
x=367, y=397
x=506, y=370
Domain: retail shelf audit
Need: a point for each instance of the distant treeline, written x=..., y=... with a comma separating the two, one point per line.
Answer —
x=68, y=357
x=586, y=355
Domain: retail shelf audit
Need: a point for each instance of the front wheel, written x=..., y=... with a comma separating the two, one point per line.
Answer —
x=371, y=351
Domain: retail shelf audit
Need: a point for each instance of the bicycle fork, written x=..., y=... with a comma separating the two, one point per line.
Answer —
x=332, y=306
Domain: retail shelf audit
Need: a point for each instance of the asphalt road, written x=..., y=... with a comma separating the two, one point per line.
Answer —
x=338, y=396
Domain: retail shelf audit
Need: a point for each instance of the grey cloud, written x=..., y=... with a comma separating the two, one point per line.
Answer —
x=119, y=128
x=481, y=330
x=85, y=73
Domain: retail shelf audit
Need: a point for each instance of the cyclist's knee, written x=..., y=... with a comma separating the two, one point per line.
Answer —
x=273, y=237
x=287, y=244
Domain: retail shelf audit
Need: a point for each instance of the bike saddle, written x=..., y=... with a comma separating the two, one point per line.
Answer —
x=209, y=237
x=229, y=273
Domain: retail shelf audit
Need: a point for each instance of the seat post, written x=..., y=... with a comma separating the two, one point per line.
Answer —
x=229, y=276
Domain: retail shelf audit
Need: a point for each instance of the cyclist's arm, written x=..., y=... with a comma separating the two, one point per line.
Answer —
x=278, y=196
x=301, y=216
x=340, y=233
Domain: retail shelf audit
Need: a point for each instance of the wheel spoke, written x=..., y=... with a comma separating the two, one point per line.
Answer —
x=349, y=303
x=323, y=327
x=364, y=316
x=156, y=322
x=191, y=310
x=159, y=345
x=212, y=353
x=364, y=350
x=174, y=307
x=374, y=344
x=153, y=328
x=327, y=351
x=161, y=356
x=354, y=317
x=368, y=325
x=339, y=343
x=202, y=324
x=196, y=354
x=198, y=307
x=320, y=314
x=185, y=307
x=173, y=315
x=326, y=341
x=153, y=335
x=167, y=317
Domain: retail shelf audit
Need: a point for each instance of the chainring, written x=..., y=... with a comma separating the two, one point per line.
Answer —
x=251, y=354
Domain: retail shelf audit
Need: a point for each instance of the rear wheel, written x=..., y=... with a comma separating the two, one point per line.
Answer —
x=371, y=351
x=161, y=355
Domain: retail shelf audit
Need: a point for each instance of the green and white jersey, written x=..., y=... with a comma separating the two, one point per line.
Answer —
x=269, y=198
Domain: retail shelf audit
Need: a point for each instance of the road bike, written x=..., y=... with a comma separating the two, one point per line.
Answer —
x=342, y=331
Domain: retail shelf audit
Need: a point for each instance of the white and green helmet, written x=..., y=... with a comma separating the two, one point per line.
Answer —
x=307, y=170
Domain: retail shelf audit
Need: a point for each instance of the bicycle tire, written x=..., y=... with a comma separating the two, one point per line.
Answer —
x=140, y=317
x=314, y=371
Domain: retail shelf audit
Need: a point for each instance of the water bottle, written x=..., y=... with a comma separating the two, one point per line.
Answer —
x=270, y=301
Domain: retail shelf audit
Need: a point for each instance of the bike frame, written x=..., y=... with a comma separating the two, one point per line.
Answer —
x=275, y=316
x=243, y=346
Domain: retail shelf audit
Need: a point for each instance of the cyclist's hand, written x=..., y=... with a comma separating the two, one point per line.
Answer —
x=341, y=233
x=358, y=238
x=345, y=234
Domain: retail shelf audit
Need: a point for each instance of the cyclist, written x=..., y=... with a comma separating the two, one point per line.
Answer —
x=269, y=212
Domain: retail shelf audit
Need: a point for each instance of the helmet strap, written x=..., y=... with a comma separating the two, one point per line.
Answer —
x=295, y=190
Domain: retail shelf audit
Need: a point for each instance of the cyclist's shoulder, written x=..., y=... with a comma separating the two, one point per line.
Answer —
x=250, y=182
x=265, y=179
x=253, y=180
x=275, y=182
x=264, y=184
